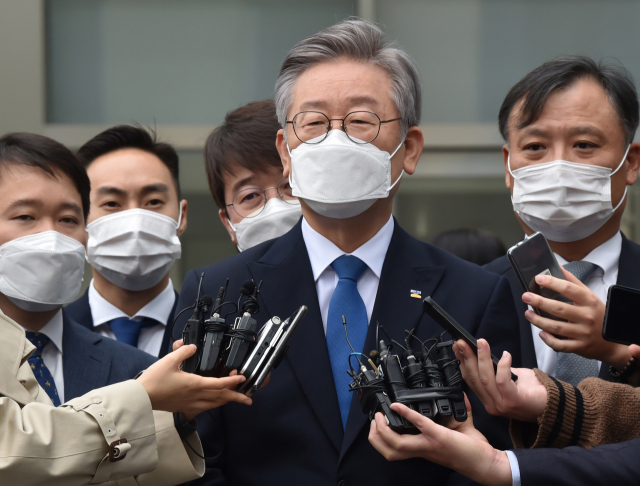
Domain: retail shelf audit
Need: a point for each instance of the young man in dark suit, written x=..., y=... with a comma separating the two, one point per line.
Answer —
x=135, y=220
x=44, y=200
x=569, y=158
x=349, y=105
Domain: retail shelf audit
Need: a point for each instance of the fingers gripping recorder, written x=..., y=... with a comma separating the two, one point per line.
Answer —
x=429, y=382
x=223, y=348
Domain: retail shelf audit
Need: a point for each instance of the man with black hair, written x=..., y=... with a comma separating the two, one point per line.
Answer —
x=569, y=158
x=245, y=176
x=44, y=200
x=133, y=228
x=70, y=412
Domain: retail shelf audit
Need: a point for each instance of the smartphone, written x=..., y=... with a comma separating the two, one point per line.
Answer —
x=273, y=354
x=533, y=257
x=621, y=316
x=438, y=314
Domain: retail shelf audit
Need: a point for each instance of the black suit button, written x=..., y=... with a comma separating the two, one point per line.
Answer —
x=342, y=483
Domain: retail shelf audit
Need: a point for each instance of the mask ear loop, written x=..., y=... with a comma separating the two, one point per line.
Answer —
x=509, y=164
x=391, y=157
x=623, y=159
x=624, y=196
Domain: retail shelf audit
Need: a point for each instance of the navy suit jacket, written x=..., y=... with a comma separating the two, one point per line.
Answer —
x=80, y=311
x=574, y=466
x=91, y=361
x=292, y=434
x=628, y=275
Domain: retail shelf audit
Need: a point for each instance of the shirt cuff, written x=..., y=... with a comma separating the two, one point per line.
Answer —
x=515, y=468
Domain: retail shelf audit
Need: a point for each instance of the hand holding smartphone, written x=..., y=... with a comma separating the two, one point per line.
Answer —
x=438, y=314
x=530, y=258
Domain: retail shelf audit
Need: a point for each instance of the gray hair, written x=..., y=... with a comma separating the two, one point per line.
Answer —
x=362, y=41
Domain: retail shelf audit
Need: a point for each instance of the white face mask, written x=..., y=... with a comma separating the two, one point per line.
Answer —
x=277, y=218
x=133, y=249
x=566, y=201
x=339, y=178
x=41, y=272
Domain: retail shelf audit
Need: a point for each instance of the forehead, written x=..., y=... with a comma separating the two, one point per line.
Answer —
x=238, y=177
x=129, y=169
x=342, y=84
x=584, y=102
x=32, y=183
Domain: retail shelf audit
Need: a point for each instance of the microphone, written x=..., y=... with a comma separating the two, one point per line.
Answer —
x=205, y=303
x=248, y=287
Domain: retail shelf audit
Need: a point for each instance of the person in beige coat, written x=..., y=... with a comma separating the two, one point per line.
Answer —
x=119, y=434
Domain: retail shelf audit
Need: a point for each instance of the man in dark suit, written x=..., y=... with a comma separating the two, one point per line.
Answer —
x=345, y=143
x=135, y=220
x=43, y=205
x=569, y=126
x=91, y=361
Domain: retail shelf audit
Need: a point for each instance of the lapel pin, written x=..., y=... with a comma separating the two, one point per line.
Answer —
x=416, y=294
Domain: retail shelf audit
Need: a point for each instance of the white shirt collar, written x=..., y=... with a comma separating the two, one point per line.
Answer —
x=322, y=251
x=53, y=330
x=606, y=256
x=104, y=311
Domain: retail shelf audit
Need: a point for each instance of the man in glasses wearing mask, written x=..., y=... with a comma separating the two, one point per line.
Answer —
x=349, y=108
x=133, y=228
x=245, y=176
x=569, y=158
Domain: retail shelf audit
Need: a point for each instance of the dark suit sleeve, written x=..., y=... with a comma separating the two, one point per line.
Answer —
x=499, y=326
x=605, y=465
x=210, y=423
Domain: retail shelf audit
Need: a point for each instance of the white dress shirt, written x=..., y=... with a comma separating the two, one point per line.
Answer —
x=323, y=252
x=606, y=256
x=159, y=309
x=52, y=352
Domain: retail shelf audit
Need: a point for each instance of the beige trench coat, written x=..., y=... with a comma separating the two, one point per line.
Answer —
x=69, y=445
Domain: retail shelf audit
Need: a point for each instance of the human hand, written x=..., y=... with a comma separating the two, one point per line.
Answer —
x=583, y=331
x=522, y=400
x=464, y=449
x=173, y=390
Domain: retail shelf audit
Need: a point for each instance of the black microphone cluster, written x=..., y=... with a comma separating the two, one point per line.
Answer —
x=224, y=347
x=428, y=381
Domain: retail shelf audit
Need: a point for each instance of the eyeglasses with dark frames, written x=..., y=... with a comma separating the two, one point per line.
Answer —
x=360, y=126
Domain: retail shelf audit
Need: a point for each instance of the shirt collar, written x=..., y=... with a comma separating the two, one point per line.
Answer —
x=606, y=256
x=53, y=330
x=322, y=251
x=104, y=311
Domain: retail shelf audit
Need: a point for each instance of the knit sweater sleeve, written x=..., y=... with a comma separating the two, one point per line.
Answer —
x=594, y=413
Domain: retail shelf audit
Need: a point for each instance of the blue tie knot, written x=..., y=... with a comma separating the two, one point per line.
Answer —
x=128, y=330
x=349, y=267
x=39, y=340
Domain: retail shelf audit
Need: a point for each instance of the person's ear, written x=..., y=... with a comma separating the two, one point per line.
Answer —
x=281, y=145
x=508, y=178
x=225, y=221
x=183, y=221
x=413, y=147
x=633, y=158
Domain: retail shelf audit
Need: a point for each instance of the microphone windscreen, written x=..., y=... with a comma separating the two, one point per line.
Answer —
x=248, y=287
x=207, y=300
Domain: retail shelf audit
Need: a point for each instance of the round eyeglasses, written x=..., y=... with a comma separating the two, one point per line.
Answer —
x=250, y=202
x=360, y=126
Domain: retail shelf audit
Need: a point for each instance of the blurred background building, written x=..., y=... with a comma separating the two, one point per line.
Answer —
x=70, y=68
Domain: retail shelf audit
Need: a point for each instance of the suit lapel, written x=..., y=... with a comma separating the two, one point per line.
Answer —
x=404, y=270
x=166, y=339
x=85, y=366
x=286, y=271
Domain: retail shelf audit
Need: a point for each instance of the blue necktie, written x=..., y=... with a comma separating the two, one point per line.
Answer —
x=41, y=372
x=346, y=301
x=128, y=331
